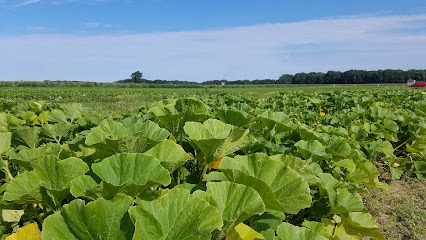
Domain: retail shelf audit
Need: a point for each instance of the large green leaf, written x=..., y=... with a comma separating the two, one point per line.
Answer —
x=5, y=139
x=353, y=226
x=85, y=186
x=366, y=173
x=98, y=220
x=107, y=129
x=28, y=136
x=280, y=187
x=286, y=231
x=234, y=116
x=277, y=122
x=235, y=203
x=312, y=150
x=175, y=115
x=215, y=138
x=56, y=175
x=170, y=154
x=67, y=112
x=144, y=135
x=363, y=223
x=267, y=223
x=29, y=157
x=56, y=131
x=177, y=215
x=299, y=165
x=130, y=173
x=112, y=137
x=341, y=200
x=24, y=188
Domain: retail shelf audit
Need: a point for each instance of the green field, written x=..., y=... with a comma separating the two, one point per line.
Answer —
x=119, y=99
x=281, y=162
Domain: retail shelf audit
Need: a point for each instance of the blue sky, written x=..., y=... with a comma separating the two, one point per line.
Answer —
x=195, y=40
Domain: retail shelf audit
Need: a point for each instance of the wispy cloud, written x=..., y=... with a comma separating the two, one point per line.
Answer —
x=27, y=3
x=249, y=52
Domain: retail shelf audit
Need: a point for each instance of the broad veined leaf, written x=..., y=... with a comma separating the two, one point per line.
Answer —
x=363, y=223
x=312, y=150
x=244, y=232
x=267, y=223
x=130, y=173
x=28, y=232
x=100, y=219
x=29, y=157
x=56, y=175
x=107, y=129
x=338, y=147
x=215, y=138
x=170, y=154
x=111, y=137
x=299, y=165
x=175, y=115
x=317, y=227
x=341, y=200
x=353, y=226
x=85, y=186
x=280, y=187
x=366, y=173
x=340, y=231
x=24, y=188
x=378, y=147
x=169, y=117
x=28, y=136
x=177, y=215
x=347, y=163
x=68, y=112
x=57, y=131
x=286, y=231
x=234, y=116
x=5, y=139
x=235, y=203
x=144, y=135
x=277, y=122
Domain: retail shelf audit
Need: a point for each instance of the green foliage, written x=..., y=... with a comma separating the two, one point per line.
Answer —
x=288, y=166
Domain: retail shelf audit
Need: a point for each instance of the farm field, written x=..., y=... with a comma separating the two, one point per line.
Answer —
x=304, y=162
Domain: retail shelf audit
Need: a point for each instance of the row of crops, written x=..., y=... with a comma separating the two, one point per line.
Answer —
x=291, y=166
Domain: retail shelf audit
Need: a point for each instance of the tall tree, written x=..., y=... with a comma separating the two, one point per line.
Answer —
x=136, y=76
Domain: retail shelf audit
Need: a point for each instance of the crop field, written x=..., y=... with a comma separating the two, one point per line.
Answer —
x=274, y=163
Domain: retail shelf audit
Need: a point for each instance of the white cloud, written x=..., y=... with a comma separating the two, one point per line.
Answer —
x=27, y=3
x=250, y=52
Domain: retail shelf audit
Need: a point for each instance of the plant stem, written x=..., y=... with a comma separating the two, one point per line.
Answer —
x=202, y=174
x=34, y=210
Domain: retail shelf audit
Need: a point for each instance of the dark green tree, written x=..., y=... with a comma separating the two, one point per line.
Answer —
x=136, y=76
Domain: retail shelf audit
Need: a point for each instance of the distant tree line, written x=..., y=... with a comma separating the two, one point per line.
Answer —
x=336, y=77
x=353, y=77
x=331, y=77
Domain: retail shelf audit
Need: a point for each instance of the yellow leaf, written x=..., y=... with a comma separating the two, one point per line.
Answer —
x=29, y=232
x=243, y=232
x=395, y=165
x=215, y=164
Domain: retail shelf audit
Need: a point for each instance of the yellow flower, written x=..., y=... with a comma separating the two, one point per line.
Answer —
x=322, y=114
x=395, y=165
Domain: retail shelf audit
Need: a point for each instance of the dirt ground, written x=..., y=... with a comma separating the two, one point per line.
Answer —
x=401, y=211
